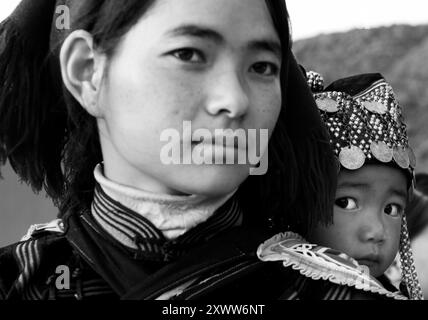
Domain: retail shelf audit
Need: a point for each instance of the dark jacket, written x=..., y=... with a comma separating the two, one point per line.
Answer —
x=71, y=259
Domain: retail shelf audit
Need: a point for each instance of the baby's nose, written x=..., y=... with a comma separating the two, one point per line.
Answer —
x=373, y=229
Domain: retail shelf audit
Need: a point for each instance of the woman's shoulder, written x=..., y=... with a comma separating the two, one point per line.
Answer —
x=323, y=267
x=26, y=263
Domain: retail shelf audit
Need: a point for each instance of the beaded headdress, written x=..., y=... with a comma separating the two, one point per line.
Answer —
x=366, y=125
x=364, y=120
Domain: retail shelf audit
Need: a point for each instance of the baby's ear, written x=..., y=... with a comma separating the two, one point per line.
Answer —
x=82, y=69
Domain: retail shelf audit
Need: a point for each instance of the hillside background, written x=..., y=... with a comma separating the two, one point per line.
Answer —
x=399, y=52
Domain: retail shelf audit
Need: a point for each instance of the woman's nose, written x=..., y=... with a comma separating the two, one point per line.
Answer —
x=372, y=228
x=228, y=94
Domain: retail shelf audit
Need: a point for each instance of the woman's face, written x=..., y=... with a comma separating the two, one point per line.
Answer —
x=213, y=64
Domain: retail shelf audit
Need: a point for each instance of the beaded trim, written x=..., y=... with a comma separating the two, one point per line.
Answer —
x=408, y=269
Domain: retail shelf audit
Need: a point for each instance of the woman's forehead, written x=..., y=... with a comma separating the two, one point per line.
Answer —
x=230, y=18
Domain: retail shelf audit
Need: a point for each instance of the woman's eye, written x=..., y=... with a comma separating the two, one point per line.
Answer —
x=346, y=203
x=265, y=69
x=393, y=210
x=189, y=55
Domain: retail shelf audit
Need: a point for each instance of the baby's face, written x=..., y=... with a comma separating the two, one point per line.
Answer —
x=368, y=209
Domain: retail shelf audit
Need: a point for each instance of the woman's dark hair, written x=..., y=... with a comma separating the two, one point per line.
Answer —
x=53, y=143
x=417, y=209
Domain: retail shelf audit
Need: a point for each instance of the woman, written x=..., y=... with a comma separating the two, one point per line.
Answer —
x=88, y=129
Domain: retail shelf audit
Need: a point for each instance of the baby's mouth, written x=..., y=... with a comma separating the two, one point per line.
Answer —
x=369, y=260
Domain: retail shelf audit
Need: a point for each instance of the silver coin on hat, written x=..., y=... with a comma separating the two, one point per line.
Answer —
x=352, y=158
x=401, y=157
x=381, y=151
x=375, y=107
x=327, y=104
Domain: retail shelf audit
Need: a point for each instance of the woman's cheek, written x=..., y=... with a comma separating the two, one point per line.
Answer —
x=269, y=110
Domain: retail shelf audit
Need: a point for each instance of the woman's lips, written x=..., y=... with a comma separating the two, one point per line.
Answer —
x=219, y=142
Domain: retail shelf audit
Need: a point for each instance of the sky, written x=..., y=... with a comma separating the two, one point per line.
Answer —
x=311, y=17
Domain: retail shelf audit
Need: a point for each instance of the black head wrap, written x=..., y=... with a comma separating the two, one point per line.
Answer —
x=27, y=103
x=34, y=119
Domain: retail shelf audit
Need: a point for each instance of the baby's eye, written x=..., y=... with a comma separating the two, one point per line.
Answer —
x=189, y=55
x=266, y=69
x=346, y=203
x=394, y=210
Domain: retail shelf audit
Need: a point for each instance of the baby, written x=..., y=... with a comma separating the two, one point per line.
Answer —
x=375, y=173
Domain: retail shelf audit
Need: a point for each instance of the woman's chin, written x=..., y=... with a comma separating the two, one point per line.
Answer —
x=212, y=180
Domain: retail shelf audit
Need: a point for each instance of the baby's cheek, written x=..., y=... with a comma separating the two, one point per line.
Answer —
x=395, y=234
x=346, y=241
x=341, y=235
x=323, y=235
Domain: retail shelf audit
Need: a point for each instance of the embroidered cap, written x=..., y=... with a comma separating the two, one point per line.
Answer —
x=364, y=120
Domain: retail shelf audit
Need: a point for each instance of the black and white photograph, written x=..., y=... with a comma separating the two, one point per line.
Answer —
x=228, y=153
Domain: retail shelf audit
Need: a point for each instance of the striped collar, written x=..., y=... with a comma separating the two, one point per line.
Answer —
x=143, y=240
x=173, y=215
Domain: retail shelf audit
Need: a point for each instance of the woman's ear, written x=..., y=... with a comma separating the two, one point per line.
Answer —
x=82, y=69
